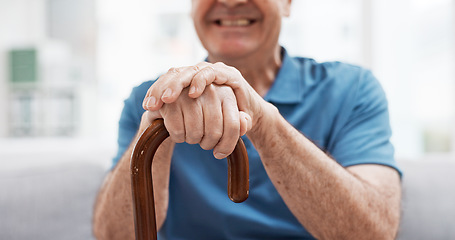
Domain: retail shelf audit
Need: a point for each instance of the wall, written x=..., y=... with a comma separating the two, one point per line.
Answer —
x=63, y=34
x=22, y=23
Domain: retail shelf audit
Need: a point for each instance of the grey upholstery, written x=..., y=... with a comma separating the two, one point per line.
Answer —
x=56, y=202
x=49, y=203
x=428, y=206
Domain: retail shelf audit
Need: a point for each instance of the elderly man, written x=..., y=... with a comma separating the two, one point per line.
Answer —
x=317, y=135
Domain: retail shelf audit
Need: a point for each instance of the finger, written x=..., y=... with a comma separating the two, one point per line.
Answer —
x=177, y=82
x=174, y=122
x=221, y=74
x=194, y=124
x=150, y=102
x=226, y=75
x=218, y=73
x=245, y=122
x=213, y=122
x=231, y=129
x=202, y=79
x=164, y=90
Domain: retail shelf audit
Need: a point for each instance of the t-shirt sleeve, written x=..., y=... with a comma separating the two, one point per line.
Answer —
x=128, y=126
x=130, y=119
x=364, y=138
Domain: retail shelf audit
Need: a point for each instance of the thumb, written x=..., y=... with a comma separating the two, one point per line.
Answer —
x=245, y=123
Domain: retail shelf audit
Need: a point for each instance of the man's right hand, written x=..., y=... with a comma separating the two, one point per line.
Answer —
x=211, y=120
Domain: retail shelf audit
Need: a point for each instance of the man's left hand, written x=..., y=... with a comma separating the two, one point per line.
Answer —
x=170, y=85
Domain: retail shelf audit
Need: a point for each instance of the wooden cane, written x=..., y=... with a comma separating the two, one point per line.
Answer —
x=141, y=178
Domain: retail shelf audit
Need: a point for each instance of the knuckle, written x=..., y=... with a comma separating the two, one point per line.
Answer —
x=235, y=71
x=206, y=145
x=232, y=125
x=195, y=68
x=177, y=140
x=210, y=72
x=210, y=69
x=193, y=138
x=202, y=64
x=173, y=70
x=209, y=94
x=191, y=141
x=211, y=138
x=177, y=136
x=205, y=74
x=225, y=148
x=221, y=64
x=210, y=141
x=215, y=134
x=228, y=95
x=199, y=76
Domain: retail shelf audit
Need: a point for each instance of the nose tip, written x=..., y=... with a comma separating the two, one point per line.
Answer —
x=232, y=3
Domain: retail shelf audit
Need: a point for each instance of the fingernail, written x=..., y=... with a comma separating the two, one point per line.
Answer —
x=167, y=93
x=220, y=155
x=151, y=101
x=192, y=90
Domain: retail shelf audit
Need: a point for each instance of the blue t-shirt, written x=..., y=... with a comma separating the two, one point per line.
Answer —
x=340, y=107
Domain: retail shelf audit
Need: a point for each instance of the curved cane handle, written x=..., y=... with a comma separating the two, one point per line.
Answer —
x=141, y=178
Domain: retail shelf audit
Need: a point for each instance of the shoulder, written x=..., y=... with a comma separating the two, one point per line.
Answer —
x=339, y=78
x=340, y=72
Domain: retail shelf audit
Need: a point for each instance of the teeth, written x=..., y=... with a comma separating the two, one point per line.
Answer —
x=238, y=22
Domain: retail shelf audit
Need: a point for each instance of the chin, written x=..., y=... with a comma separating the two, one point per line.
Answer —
x=231, y=51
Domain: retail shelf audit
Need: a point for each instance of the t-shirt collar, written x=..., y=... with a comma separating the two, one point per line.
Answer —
x=288, y=85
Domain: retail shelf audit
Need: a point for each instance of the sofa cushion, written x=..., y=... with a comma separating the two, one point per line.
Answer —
x=428, y=206
x=52, y=202
x=56, y=202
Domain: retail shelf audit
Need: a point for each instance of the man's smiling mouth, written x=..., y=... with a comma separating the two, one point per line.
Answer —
x=234, y=23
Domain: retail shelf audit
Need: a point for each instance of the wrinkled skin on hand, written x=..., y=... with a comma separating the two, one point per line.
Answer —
x=209, y=118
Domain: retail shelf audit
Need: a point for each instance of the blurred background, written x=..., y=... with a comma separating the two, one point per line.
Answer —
x=66, y=67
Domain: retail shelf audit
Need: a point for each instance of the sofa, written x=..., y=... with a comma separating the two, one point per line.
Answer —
x=56, y=201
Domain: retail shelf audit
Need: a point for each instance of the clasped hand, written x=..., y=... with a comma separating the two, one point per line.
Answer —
x=206, y=104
